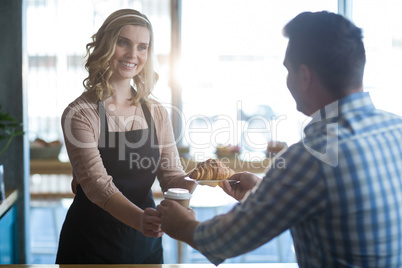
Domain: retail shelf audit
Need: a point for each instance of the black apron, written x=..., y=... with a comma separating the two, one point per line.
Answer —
x=90, y=235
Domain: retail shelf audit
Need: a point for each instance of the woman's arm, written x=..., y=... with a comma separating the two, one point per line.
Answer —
x=170, y=172
x=80, y=123
x=121, y=208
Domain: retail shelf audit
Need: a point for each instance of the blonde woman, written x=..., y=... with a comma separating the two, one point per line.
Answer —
x=118, y=140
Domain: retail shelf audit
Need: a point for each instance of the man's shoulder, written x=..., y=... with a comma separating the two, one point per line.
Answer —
x=301, y=150
x=365, y=122
x=389, y=115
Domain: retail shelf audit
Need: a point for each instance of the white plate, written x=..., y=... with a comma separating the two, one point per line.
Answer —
x=212, y=183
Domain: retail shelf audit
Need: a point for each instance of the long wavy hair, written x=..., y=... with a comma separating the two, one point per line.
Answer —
x=102, y=48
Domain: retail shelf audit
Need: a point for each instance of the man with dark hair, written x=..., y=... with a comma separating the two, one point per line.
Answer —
x=333, y=48
x=340, y=192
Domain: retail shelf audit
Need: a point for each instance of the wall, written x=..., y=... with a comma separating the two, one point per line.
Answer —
x=15, y=160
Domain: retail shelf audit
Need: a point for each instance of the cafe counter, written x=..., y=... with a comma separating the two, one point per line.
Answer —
x=240, y=265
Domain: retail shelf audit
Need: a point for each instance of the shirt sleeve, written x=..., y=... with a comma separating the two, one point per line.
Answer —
x=80, y=124
x=170, y=171
x=291, y=190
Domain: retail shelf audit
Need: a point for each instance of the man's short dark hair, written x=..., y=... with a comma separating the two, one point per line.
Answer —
x=329, y=44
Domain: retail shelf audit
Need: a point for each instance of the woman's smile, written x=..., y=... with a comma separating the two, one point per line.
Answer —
x=131, y=52
x=128, y=64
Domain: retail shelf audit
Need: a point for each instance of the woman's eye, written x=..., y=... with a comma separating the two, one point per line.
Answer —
x=143, y=47
x=122, y=43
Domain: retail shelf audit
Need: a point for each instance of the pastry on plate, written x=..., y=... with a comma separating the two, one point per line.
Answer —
x=211, y=170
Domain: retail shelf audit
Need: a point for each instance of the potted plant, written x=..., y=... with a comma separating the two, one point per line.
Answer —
x=9, y=129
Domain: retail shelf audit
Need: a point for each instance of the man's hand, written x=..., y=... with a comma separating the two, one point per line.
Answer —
x=177, y=221
x=150, y=223
x=246, y=182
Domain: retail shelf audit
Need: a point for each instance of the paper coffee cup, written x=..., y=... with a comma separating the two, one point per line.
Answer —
x=182, y=196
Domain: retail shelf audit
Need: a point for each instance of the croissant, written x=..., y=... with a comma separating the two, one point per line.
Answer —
x=212, y=169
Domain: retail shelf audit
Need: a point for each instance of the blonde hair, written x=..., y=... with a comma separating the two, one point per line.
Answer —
x=102, y=48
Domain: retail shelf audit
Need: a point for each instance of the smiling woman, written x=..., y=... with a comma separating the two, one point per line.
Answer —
x=113, y=212
x=56, y=71
x=119, y=52
x=131, y=52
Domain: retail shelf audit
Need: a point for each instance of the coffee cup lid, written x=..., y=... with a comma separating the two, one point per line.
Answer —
x=177, y=193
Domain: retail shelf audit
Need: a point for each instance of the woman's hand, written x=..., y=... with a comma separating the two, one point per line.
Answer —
x=150, y=223
x=246, y=182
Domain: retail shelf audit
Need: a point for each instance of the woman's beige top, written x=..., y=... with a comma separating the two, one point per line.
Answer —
x=81, y=129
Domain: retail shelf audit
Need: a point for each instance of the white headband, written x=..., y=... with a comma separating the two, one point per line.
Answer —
x=125, y=16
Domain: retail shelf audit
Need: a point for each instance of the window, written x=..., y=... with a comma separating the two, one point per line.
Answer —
x=382, y=23
x=57, y=32
x=234, y=83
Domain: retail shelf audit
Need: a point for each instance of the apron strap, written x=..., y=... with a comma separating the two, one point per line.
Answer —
x=150, y=122
x=104, y=129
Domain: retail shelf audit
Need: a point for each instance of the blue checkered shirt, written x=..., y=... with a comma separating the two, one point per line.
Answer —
x=339, y=191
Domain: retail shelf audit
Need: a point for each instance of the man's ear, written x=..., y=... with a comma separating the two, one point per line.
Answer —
x=305, y=77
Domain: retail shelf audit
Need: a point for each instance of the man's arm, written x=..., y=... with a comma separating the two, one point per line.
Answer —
x=180, y=223
x=289, y=195
x=177, y=221
x=246, y=182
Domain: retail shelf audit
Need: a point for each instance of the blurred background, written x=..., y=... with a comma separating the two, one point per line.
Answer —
x=221, y=79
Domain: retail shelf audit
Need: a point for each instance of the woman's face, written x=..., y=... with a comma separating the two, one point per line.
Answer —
x=131, y=52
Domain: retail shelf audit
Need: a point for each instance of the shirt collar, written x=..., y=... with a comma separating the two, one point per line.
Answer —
x=356, y=101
